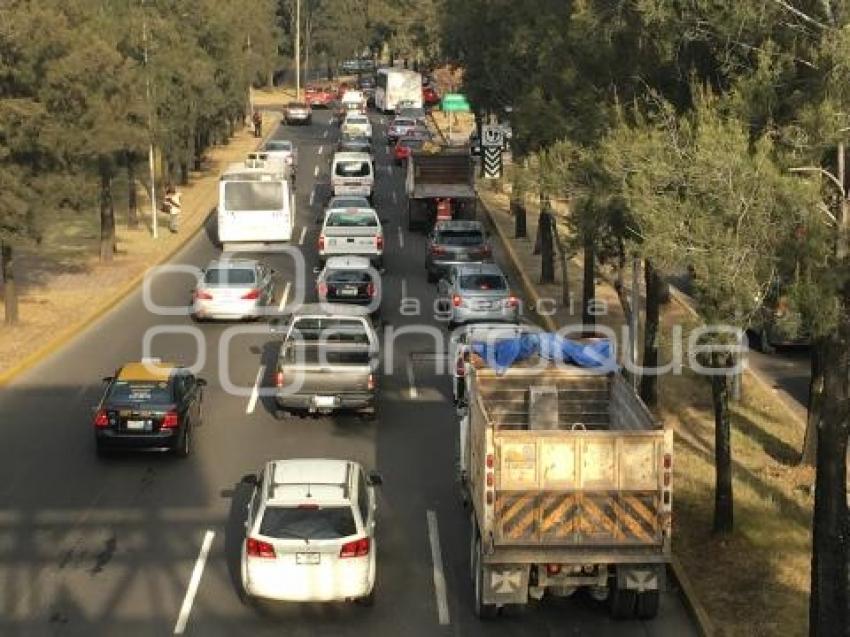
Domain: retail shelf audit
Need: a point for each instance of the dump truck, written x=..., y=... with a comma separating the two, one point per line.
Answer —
x=439, y=178
x=567, y=477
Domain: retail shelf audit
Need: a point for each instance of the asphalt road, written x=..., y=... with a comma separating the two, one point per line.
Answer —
x=108, y=547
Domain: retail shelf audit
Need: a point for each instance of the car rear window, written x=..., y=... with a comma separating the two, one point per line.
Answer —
x=353, y=169
x=460, y=237
x=483, y=282
x=311, y=522
x=345, y=219
x=415, y=144
x=278, y=146
x=357, y=120
x=315, y=355
x=404, y=122
x=150, y=392
x=229, y=276
x=348, y=202
x=348, y=276
x=329, y=329
x=253, y=195
x=297, y=105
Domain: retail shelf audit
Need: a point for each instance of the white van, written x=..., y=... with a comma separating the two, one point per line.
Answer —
x=352, y=174
x=256, y=203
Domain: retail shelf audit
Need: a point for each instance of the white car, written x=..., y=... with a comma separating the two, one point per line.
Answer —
x=282, y=149
x=352, y=232
x=310, y=532
x=353, y=174
x=356, y=125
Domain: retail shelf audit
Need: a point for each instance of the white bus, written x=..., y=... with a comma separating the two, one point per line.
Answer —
x=397, y=85
x=256, y=204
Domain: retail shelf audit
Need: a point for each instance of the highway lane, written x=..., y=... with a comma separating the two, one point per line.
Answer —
x=94, y=547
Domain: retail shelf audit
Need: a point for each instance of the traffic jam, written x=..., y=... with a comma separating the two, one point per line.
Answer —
x=562, y=476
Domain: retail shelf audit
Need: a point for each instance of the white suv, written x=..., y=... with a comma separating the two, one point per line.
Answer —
x=352, y=232
x=310, y=532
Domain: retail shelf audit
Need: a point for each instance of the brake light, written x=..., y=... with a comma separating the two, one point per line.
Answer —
x=278, y=379
x=101, y=418
x=258, y=548
x=513, y=301
x=357, y=548
x=169, y=420
x=489, y=460
x=437, y=250
x=203, y=295
x=321, y=242
x=379, y=242
x=252, y=295
x=553, y=569
x=322, y=289
x=668, y=461
x=456, y=300
x=370, y=383
x=370, y=290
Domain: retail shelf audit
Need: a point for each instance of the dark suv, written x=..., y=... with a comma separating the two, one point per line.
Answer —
x=455, y=242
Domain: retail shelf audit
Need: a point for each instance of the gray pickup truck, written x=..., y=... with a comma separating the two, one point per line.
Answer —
x=327, y=362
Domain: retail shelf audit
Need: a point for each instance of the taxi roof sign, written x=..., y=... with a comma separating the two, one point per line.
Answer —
x=148, y=370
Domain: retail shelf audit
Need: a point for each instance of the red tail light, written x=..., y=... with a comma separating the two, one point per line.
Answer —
x=456, y=300
x=379, y=242
x=203, y=295
x=278, y=379
x=486, y=251
x=322, y=289
x=321, y=242
x=370, y=384
x=357, y=548
x=252, y=295
x=258, y=548
x=553, y=569
x=513, y=301
x=101, y=418
x=370, y=290
x=437, y=250
x=169, y=420
x=668, y=461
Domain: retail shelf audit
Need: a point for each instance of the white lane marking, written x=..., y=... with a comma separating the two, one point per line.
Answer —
x=255, y=392
x=303, y=236
x=316, y=171
x=404, y=288
x=321, y=149
x=395, y=199
x=439, y=576
x=326, y=134
x=389, y=169
x=285, y=296
x=195, y=580
x=400, y=237
x=411, y=379
x=312, y=196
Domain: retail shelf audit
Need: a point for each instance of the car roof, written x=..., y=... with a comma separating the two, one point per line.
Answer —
x=318, y=479
x=351, y=156
x=458, y=224
x=232, y=263
x=347, y=263
x=331, y=309
x=479, y=268
x=150, y=371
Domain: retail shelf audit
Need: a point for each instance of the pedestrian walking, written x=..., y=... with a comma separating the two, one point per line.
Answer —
x=172, y=205
x=257, y=118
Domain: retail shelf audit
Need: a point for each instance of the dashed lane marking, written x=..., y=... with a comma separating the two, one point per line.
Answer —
x=194, y=582
x=285, y=296
x=439, y=575
x=255, y=391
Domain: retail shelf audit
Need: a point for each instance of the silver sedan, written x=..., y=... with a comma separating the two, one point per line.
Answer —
x=233, y=289
x=477, y=292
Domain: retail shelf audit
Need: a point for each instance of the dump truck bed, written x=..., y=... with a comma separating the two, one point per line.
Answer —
x=446, y=173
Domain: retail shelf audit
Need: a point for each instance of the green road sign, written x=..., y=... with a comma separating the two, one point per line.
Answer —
x=455, y=102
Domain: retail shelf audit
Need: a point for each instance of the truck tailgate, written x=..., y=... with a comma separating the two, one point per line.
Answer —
x=326, y=370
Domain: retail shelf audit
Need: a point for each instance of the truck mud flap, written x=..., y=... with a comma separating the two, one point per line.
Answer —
x=640, y=578
x=506, y=584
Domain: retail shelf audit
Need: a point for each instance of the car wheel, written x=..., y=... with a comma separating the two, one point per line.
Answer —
x=184, y=448
x=647, y=604
x=482, y=610
x=622, y=602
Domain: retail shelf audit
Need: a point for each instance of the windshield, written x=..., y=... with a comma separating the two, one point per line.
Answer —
x=460, y=237
x=311, y=522
x=483, y=282
x=229, y=276
x=353, y=168
x=348, y=202
x=278, y=146
x=253, y=195
x=354, y=219
x=131, y=391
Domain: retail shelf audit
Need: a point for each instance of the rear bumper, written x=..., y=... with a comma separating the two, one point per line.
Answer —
x=234, y=312
x=343, y=402
x=153, y=441
x=466, y=315
x=300, y=584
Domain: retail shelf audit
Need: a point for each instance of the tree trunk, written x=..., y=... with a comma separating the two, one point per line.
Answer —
x=588, y=292
x=520, y=220
x=132, y=194
x=723, y=502
x=810, y=440
x=10, y=291
x=649, y=381
x=828, y=612
x=107, y=215
x=566, y=299
x=547, y=248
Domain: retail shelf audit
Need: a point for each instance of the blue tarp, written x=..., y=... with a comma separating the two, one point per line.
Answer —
x=501, y=354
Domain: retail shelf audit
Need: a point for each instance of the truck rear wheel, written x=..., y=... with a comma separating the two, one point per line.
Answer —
x=482, y=610
x=647, y=604
x=622, y=602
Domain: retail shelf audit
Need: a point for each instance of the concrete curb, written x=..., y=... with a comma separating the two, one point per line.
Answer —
x=688, y=593
x=71, y=332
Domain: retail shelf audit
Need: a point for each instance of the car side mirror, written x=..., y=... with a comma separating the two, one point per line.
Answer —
x=250, y=479
x=374, y=479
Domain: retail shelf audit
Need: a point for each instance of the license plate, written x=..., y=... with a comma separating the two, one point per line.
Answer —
x=348, y=292
x=308, y=558
x=484, y=305
x=325, y=401
x=137, y=425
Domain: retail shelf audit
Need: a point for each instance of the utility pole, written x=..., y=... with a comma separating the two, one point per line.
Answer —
x=151, y=158
x=297, y=50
